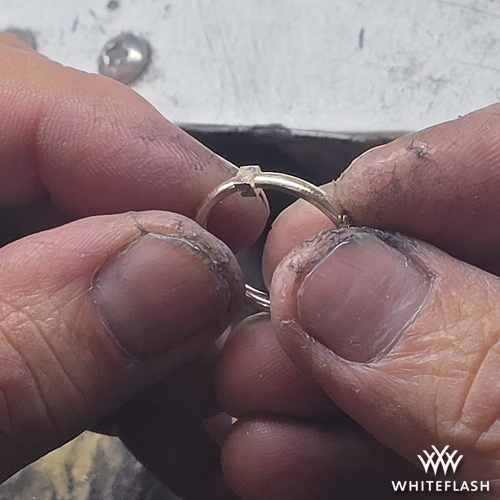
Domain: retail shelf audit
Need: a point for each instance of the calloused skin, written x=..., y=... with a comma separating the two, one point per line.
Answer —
x=75, y=146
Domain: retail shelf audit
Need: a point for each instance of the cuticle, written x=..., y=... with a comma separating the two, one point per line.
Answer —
x=215, y=267
x=392, y=239
x=332, y=239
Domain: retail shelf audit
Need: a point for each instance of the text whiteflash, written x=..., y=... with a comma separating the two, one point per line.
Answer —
x=453, y=486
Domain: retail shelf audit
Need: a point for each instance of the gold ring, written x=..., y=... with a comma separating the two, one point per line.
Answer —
x=246, y=182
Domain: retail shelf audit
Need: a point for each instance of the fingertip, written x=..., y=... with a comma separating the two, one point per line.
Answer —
x=239, y=220
x=270, y=459
x=297, y=223
x=94, y=146
x=432, y=184
x=254, y=375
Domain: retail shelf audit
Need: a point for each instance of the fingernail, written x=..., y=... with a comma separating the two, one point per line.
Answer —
x=361, y=296
x=157, y=292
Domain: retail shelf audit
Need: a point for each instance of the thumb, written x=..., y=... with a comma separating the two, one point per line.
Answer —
x=400, y=335
x=93, y=312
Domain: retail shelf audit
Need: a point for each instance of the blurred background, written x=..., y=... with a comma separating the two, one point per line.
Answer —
x=299, y=86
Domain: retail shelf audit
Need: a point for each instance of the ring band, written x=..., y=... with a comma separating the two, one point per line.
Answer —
x=246, y=182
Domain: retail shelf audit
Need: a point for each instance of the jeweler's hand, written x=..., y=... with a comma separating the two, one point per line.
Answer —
x=402, y=335
x=96, y=310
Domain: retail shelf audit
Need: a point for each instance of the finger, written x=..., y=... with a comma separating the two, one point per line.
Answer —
x=165, y=427
x=94, y=146
x=176, y=448
x=254, y=375
x=294, y=225
x=402, y=337
x=436, y=185
x=278, y=459
x=96, y=311
x=189, y=390
x=173, y=427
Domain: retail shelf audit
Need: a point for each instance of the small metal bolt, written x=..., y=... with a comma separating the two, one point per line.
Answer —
x=124, y=58
x=25, y=36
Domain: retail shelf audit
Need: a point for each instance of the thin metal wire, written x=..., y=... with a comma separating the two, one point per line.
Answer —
x=246, y=182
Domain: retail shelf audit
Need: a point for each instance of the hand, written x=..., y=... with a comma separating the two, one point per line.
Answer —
x=402, y=334
x=96, y=310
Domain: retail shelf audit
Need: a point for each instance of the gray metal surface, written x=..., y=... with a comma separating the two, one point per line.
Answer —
x=314, y=65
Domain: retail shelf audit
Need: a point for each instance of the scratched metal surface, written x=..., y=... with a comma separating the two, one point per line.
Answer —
x=320, y=65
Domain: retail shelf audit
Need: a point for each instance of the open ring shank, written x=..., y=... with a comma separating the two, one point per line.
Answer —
x=246, y=182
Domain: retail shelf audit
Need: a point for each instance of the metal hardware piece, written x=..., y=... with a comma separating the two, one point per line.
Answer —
x=125, y=58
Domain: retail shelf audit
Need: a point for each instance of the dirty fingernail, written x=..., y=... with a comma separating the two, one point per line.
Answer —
x=157, y=292
x=359, y=299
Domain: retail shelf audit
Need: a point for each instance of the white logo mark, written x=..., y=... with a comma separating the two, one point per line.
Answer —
x=437, y=458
